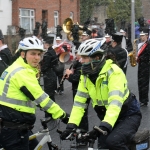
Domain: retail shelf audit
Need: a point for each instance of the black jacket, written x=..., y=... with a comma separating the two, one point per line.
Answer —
x=118, y=55
x=129, y=46
x=145, y=55
x=49, y=60
x=6, y=57
x=74, y=78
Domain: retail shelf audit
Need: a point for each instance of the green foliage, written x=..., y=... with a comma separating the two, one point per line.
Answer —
x=121, y=9
x=118, y=10
x=87, y=6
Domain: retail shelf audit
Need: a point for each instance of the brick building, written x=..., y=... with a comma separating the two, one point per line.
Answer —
x=26, y=12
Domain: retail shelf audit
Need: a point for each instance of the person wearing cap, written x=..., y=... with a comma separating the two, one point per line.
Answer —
x=143, y=60
x=19, y=92
x=108, y=39
x=129, y=46
x=118, y=54
x=47, y=68
x=59, y=68
x=58, y=40
x=86, y=35
x=97, y=32
x=5, y=54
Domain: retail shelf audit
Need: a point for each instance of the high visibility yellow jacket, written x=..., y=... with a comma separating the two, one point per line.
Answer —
x=20, y=74
x=110, y=90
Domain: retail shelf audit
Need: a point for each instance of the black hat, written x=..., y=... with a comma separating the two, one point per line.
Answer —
x=117, y=37
x=145, y=31
x=1, y=35
x=36, y=32
x=107, y=35
x=48, y=40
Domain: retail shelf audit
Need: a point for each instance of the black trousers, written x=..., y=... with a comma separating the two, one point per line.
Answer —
x=143, y=81
x=59, y=78
x=13, y=139
x=50, y=83
x=121, y=135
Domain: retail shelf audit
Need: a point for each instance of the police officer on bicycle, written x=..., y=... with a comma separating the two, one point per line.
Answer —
x=19, y=92
x=106, y=84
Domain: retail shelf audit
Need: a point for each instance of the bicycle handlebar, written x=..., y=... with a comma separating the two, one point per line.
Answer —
x=80, y=134
x=44, y=121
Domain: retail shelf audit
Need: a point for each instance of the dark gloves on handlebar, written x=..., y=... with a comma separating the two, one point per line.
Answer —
x=95, y=133
x=69, y=129
x=66, y=133
x=65, y=118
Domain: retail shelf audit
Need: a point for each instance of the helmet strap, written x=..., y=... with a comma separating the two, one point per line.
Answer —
x=25, y=60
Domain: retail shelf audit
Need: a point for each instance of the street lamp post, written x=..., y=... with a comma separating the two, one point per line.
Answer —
x=132, y=20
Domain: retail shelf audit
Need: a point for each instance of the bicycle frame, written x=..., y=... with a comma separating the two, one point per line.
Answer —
x=46, y=139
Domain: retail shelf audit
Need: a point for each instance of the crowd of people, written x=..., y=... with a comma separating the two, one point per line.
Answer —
x=98, y=74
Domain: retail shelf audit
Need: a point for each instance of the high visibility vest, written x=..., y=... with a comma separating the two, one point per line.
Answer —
x=21, y=74
x=110, y=90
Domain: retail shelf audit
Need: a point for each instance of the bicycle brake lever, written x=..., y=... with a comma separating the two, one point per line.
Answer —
x=100, y=130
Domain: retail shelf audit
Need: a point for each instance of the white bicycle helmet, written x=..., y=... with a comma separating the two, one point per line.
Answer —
x=89, y=47
x=30, y=43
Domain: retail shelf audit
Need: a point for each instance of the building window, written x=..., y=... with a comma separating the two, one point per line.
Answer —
x=56, y=18
x=27, y=19
x=71, y=15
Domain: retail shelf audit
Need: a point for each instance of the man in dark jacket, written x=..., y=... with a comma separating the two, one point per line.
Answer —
x=118, y=54
x=47, y=68
x=143, y=67
x=5, y=54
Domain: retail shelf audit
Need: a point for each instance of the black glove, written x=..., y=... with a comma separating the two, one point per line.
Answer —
x=66, y=133
x=69, y=129
x=95, y=133
x=65, y=118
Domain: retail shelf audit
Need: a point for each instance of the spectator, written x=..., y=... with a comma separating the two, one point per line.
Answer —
x=108, y=39
x=118, y=54
x=86, y=35
x=5, y=54
x=137, y=31
x=47, y=68
x=59, y=70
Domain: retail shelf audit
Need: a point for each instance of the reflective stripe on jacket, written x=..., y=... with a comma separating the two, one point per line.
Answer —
x=21, y=74
x=110, y=90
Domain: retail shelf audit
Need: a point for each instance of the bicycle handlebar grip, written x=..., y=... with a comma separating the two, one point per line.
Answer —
x=100, y=130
